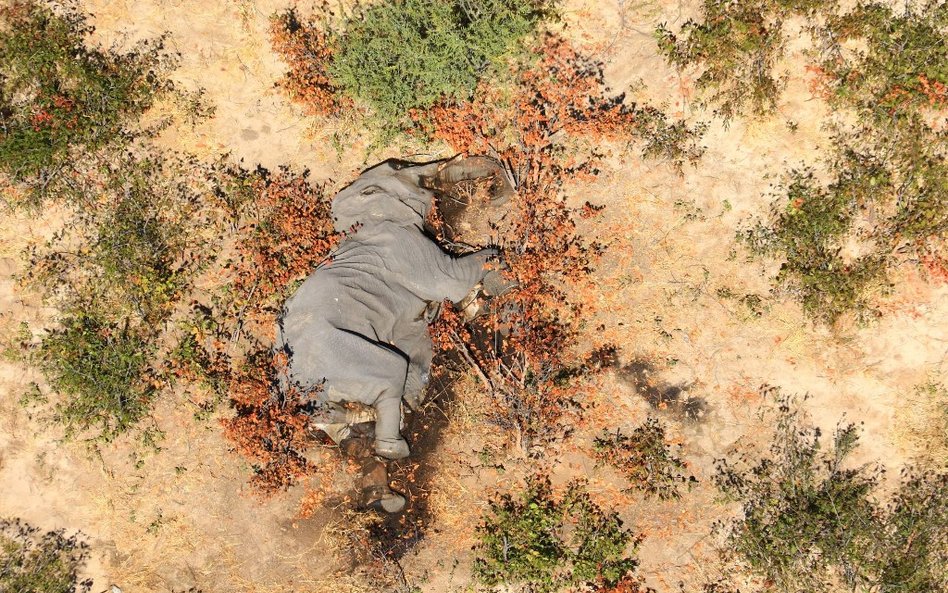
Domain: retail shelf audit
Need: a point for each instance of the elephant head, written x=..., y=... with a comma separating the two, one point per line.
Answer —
x=401, y=192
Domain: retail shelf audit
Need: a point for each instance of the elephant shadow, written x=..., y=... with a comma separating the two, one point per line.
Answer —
x=673, y=399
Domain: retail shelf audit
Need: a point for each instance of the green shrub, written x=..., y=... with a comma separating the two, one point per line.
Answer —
x=36, y=562
x=807, y=227
x=903, y=68
x=675, y=142
x=102, y=370
x=913, y=536
x=116, y=272
x=400, y=55
x=887, y=193
x=887, y=180
x=895, y=85
x=58, y=96
x=810, y=520
x=547, y=544
x=646, y=459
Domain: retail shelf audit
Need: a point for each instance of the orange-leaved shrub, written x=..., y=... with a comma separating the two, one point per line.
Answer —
x=269, y=427
x=283, y=231
x=530, y=358
x=304, y=46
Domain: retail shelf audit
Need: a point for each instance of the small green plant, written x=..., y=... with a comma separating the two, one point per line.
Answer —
x=57, y=95
x=546, y=544
x=102, y=369
x=810, y=519
x=646, y=459
x=32, y=561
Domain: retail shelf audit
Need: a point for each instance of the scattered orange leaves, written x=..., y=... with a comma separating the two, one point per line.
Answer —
x=270, y=430
x=559, y=100
x=304, y=46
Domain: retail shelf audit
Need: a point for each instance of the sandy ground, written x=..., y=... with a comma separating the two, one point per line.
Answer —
x=182, y=517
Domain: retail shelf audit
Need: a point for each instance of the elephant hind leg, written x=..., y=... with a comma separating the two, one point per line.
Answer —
x=374, y=489
x=374, y=374
x=388, y=439
x=416, y=344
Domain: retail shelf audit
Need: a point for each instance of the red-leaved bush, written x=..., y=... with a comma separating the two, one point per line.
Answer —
x=535, y=373
x=284, y=231
x=304, y=46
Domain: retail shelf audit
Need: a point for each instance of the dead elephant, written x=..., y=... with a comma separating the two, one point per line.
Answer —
x=356, y=331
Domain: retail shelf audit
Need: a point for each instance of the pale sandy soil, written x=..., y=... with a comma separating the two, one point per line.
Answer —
x=184, y=517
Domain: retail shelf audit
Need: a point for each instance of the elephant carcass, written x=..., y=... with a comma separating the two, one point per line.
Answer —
x=355, y=331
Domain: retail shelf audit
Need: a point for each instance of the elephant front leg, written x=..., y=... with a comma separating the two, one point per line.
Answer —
x=388, y=440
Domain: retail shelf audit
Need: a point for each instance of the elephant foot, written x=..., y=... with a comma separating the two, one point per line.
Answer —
x=392, y=449
x=384, y=500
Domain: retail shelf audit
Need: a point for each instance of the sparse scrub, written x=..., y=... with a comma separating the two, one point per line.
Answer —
x=884, y=198
x=646, y=459
x=59, y=97
x=810, y=519
x=738, y=44
x=146, y=229
x=32, y=561
x=116, y=272
x=546, y=543
x=897, y=87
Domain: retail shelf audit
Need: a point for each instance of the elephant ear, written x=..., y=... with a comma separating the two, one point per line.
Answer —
x=470, y=168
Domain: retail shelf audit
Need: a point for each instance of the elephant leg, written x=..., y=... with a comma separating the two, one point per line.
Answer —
x=371, y=373
x=374, y=489
x=413, y=340
x=419, y=372
x=388, y=414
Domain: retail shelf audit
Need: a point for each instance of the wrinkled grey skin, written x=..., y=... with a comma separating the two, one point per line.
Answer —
x=357, y=322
